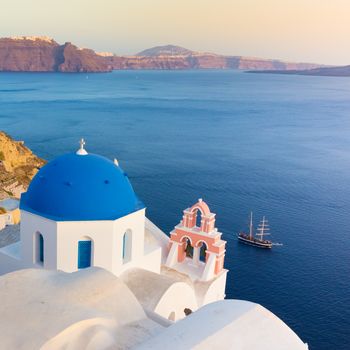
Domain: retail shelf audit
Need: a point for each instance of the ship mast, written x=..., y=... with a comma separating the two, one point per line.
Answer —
x=262, y=228
x=251, y=226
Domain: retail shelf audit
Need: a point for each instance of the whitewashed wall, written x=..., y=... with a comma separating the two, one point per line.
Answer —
x=61, y=243
x=30, y=225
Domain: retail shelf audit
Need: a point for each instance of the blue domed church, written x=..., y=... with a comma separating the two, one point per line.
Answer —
x=80, y=211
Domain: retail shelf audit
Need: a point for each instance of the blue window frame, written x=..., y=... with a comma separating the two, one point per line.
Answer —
x=84, y=254
x=41, y=248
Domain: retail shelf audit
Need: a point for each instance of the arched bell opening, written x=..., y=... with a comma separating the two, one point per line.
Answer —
x=188, y=248
x=198, y=215
x=203, y=252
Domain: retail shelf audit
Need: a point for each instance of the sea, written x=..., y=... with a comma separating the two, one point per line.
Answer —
x=276, y=145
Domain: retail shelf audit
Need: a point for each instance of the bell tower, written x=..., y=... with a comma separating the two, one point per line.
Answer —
x=196, y=247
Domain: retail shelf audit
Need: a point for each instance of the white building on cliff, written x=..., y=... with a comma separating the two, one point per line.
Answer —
x=80, y=211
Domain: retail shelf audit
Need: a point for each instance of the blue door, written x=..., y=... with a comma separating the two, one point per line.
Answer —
x=84, y=254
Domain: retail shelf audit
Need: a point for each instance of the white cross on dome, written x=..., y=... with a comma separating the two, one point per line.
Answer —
x=82, y=151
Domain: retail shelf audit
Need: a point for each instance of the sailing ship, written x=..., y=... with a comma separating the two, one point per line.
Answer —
x=256, y=240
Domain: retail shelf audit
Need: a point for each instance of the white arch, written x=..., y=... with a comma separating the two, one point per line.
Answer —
x=201, y=241
x=187, y=237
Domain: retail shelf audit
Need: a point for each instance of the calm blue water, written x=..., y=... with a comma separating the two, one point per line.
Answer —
x=278, y=145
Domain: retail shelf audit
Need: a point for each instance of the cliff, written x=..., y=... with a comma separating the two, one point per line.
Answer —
x=18, y=165
x=201, y=61
x=42, y=54
x=175, y=57
x=82, y=60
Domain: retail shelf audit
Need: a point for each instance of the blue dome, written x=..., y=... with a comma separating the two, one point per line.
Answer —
x=80, y=187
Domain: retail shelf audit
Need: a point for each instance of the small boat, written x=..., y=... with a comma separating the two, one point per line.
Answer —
x=256, y=240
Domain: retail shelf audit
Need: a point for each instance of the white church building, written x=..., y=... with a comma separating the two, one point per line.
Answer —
x=80, y=211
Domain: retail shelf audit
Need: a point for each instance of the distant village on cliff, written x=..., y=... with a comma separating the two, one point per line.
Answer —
x=43, y=54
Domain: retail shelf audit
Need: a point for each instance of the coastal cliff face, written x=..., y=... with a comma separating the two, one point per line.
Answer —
x=202, y=61
x=41, y=54
x=177, y=57
x=28, y=55
x=81, y=60
x=140, y=62
x=18, y=165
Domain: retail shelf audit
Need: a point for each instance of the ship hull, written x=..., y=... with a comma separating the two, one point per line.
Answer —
x=255, y=242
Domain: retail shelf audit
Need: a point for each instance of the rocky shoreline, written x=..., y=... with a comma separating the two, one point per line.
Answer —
x=18, y=165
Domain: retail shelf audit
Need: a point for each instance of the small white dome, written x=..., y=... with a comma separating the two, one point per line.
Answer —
x=228, y=324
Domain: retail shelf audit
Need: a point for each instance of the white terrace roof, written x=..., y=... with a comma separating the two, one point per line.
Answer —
x=227, y=324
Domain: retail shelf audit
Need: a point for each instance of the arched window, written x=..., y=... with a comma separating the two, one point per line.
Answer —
x=84, y=253
x=203, y=252
x=127, y=246
x=39, y=248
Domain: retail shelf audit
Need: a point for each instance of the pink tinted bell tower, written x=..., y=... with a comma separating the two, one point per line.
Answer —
x=196, y=246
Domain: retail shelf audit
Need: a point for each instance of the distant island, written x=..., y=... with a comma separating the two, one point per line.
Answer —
x=43, y=54
x=343, y=71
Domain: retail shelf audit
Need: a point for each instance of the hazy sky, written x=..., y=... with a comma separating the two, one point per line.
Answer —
x=297, y=30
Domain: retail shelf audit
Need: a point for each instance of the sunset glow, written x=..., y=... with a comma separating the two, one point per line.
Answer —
x=298, y=30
